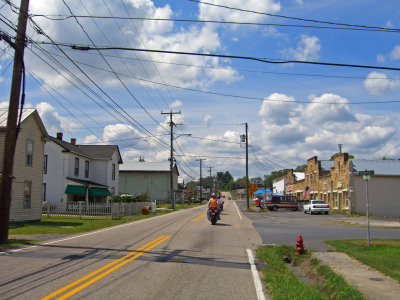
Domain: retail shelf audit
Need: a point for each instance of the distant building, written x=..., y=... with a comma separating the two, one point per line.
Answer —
x=153, y=178
x=339, y=184
x=279, y=185
x=27, y=185
x=79, y=172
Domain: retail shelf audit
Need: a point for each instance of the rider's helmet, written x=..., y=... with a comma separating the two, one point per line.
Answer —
x=213, y=195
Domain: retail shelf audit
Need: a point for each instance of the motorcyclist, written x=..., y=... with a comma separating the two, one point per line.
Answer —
x=213, y=202
x=220, y=204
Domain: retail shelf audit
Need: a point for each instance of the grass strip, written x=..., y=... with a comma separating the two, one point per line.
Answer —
x=304, y=279
x=64, y=225
x=13, y=243
x=382, y=254
x=280, y=281
x=333, y=285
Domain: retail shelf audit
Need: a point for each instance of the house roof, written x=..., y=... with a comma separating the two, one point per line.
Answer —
x=26, y=113
x=91, y=151
x=147, y=167
x=380, y=167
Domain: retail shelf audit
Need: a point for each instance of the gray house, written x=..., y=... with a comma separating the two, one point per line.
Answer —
x=137, y=178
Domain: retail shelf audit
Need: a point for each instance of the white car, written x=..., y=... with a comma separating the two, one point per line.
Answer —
x=316, y=206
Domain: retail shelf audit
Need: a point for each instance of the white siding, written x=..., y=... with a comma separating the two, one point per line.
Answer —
x=57, y=170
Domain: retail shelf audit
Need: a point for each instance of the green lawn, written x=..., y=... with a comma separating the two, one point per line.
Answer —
x=60, y=225
x=382, y=254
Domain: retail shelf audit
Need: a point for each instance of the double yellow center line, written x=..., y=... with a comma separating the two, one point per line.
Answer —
x=104, y=271
x=199, y=218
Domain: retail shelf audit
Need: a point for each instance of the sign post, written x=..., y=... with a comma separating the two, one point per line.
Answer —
x=367, y=176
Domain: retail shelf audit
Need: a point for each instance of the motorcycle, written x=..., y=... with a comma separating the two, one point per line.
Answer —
x=213, y=215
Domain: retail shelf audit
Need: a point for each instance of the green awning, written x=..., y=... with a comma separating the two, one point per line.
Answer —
x=75, y=190
x=99, y=192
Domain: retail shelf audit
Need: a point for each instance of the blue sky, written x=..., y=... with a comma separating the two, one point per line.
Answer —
x=294, y=111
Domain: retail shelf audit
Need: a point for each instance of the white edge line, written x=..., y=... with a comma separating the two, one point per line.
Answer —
x=256, y=276
x=89, y=233
x=240, y=216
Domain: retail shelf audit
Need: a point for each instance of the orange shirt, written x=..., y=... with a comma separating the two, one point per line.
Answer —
x=213, y=202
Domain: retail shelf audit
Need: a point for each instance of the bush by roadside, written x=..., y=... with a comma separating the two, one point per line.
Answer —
x=289, y=277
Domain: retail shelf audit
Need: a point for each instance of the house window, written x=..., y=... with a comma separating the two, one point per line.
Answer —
x=76, y=170
x=44, y=192
x=45, y=165
x=86, y=169
x=113, y=172
x=27, y=194
x=29, y=152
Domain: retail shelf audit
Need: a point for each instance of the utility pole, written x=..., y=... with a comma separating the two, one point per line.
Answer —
x=201, y=180
x=212, y=181
x=171, y=158
x=11, y=130
x=247, y=168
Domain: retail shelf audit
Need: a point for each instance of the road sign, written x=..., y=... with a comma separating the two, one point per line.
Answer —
x=252, y=188
x=366, y=172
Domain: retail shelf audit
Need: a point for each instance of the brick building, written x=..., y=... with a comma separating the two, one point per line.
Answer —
x=339, y=184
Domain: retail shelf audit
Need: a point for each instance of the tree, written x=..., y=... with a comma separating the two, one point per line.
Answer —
x=301, y=168
x=141, y=159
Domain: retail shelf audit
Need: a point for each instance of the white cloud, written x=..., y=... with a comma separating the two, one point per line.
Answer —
x=274, y=109
x=304, y=130
x=378, y=83
x=53, y=121
x=207, y=119
x=176, y=104
x=139, y=34
x=395, y=53
x=308, y=48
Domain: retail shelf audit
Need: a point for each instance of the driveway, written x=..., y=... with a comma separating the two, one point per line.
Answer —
x=284, y=227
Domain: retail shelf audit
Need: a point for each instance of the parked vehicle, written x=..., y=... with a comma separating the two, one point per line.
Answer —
x=213, y=215
x=316, y=206
x=274, y=202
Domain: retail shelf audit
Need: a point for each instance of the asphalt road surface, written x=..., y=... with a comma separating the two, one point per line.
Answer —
x=285, y=226
x=175, y=256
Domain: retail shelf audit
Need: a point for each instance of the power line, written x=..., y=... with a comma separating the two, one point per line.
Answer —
x=278, y=61
x=294, y=18
x=66, y=17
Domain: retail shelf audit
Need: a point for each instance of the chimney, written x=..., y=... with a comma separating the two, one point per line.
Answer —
x=59, y=135
x=73, y=141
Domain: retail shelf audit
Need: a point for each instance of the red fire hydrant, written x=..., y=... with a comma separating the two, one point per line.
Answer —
x=300, y=246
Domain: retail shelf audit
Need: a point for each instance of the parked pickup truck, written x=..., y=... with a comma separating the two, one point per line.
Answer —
x=274, y=202
x=316, y=206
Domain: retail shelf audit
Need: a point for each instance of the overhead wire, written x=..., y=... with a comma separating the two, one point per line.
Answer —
x=122, y=113
x=112, y=69
x=294, y=18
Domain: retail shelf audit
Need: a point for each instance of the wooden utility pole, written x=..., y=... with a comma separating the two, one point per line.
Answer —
x=201, y=179
x=11, y=130
x=247, y=167
x=171, y=159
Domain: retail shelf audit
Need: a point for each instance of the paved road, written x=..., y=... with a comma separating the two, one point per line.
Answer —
x=284, y=227
x=182, y=256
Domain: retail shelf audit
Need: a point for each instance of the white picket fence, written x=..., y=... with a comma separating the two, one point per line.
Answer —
x=95, y=210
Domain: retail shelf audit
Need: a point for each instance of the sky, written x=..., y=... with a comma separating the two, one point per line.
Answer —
x=118, y=92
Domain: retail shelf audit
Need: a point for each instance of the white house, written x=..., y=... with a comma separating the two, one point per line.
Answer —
x=74, y=172
x=26, y=193
x=279, y=184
